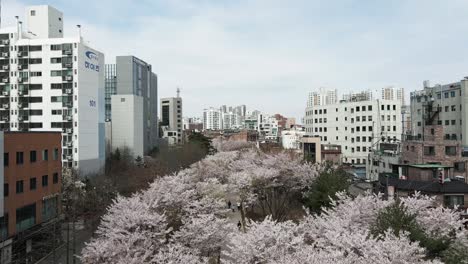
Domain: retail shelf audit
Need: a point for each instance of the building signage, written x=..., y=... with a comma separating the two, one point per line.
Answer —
x=92, y=61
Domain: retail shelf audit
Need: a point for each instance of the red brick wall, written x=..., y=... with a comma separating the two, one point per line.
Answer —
x=25, y=142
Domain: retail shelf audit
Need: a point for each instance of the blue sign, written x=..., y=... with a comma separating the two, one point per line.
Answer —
x=93, y=65
x=92, y=103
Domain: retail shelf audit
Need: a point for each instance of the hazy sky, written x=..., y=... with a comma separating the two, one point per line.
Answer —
x=269, y=54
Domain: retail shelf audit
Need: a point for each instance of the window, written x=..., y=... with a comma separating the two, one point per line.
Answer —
x=394, y=117
x=55, y=154
x=19, y=187
x=439, y=96
x=6, y=190
x=454, y=108
x=55, y=60
x=382, y=107
x=388, y=107
x=357, y=108
x=450, y=150
x=394, y=107
x=412, y=148
x=32, y=156
x=33, y=12
x=452, y=93
x=6, y=159
x=364, y=139
x=35, y=48
x=19, y=158
x=454, y=200
x=32, y=184
x=446, y=95
x=429, y=151
x=446, y=108
x=363, y=118
x=419, y=123
x=364, y=108
x=25, y=217
x=55, y=73
x=363, y=129
x=56, y=47
x=394, y=128
x=369, y=118
x=45, y=154
x=369, y=108
x=459, y=166
x=447, y=122
x=45, y=180
x=55, y=178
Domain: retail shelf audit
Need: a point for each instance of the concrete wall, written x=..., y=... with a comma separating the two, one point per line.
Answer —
x=127, y=123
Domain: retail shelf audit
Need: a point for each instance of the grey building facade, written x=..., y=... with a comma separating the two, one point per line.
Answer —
x=133, y=76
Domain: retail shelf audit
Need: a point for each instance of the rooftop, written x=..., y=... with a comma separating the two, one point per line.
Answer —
x=449, y=187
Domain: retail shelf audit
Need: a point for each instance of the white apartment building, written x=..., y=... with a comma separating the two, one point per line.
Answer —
x=267, y=127
x=322, y=97
x=171, y=118
x=392, y=93
x=212, y=119
x=291, y=139
x=52, y=83
x=355, y=124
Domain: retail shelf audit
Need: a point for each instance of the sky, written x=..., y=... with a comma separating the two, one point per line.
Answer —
x=269, y=54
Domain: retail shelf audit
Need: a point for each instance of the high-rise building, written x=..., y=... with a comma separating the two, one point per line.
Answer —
x=171, y=119
x=132, y=105
x=212, y=119
x=322, y=97
x=52, y=83
x=392, y=93
x=356, y=123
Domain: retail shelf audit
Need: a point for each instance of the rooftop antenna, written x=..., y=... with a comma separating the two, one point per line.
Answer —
x=17, y=24
x=178, y=92
x=20, y=33
x=79, y=31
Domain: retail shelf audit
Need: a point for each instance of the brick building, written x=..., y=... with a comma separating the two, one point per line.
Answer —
x=433, y=147
x=30, y=176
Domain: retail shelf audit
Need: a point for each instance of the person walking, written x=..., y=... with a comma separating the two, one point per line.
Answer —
x=239, y=225
x=229, y=204
x=238, y=206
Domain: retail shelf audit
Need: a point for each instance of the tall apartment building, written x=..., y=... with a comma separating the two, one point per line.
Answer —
x=392, y=93
x=357, y=124
x=212, y=119
x=132, y=105
x=171, y=119
x=322, y=97
x=30, y=187
x=52, y=83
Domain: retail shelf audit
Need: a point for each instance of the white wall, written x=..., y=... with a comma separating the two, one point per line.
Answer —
x=127, y=123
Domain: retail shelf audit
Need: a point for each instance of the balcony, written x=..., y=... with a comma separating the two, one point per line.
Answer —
x=5, y=42
x=5, y=80
x=67, y=118
x=5, y=118
x=67, y=78
x=23, y=105
x=5, y=93
x=5, y=55
x=22, y=54
x=5, y=106
x=67, y=52
x=67, y=65
x=67, y=104
x=68, y=91
x=5, y=67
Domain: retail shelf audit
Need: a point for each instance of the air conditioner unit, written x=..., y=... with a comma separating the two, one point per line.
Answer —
x=5, y=93
x=69, y=118
x=20, y=53
x=68, y=91
x=69, y=157
x=68, y=65
x=69, y=130
x=5, y=118
x=20, y=79
x=5, y=54
x=68, y=52
x=5, y=80
x=69, y=78
x=69, y=144
x=20, y=118
x=6, y=41
x=20, y=92
x=5, y=67
x=6, y=105
x=20, y=67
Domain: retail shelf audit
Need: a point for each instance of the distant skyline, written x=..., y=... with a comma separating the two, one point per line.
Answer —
x=269, y=55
